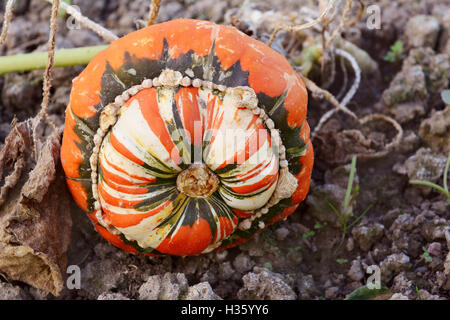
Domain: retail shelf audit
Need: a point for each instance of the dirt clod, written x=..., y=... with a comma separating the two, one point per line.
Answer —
x=201, y=291
x=422, y=31
x=264, y=284
x=112, y=296
x=10, y=292
x=425, y=165
x=394, y=264
x=170, y=286
x=367, y=235
x=435, y=131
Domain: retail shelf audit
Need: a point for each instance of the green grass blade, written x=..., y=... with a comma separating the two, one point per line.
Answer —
x=336, y=211
x=360, y=216
x=447, y=165
x=351, y=178
x=430, y=184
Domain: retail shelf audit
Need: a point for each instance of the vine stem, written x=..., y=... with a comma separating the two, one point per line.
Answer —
x=6, y=20
x=153, y=13
x=296, y=28
x=38, y=60
x=338, y=30
x=47, y=84
x=78, y=16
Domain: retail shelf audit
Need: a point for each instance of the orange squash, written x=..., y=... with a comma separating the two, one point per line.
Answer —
x=186, y=137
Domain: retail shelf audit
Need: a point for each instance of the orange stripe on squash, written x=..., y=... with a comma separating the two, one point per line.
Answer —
x=128, y=220
x=125, y=189
x=268, y=181
x=71, y=156
x=242, y=214
x=124, y=150
x=124, y=181
x=188, y=240
x=78, y=192
x=252, y=146
x=150, y=110
x=111, y=238
x=88, y=86
x=187, y=105
x=114, y=201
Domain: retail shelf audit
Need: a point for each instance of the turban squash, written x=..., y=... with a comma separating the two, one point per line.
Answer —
x=186, y=137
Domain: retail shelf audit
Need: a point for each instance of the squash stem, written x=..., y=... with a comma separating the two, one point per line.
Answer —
x=38, y=60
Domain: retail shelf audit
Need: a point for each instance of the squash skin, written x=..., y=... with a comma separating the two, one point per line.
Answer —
x=220, y=54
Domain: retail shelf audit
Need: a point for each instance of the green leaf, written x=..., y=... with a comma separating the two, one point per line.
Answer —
x=319, y=225
x=62, y=13
x=341, y=260
x=308, y=234
x=419, y=297
x=395, y=52
x=268, y=265
x=389, y=57
x=397, y=47
x=426, y=255
x=445, y=95
x=364, y=293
